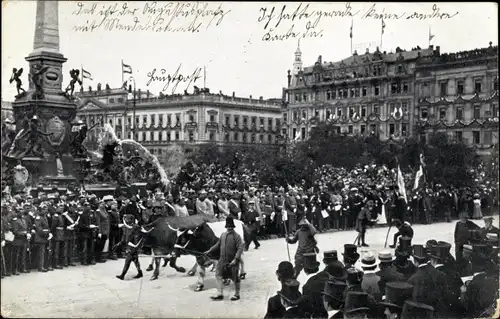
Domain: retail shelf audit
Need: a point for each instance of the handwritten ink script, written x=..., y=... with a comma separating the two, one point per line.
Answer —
x=281, y=23
x=178, y=17
x=173, y=79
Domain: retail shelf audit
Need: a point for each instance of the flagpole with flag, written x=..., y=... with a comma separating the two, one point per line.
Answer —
x=123, y=81
x=350, y=34
x=431, y=36
x=86, y=74
x=382, y=34
x=401, y=183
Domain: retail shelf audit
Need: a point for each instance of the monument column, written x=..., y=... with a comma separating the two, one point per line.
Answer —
x=54, y=109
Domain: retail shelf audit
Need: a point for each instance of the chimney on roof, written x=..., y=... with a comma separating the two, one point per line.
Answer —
x=147, y=94
x=250, y=97
x=139, y=94
x=367, y=50
x=261, y=98
x=320, y=59
x=233, y=94
x=491, y=44
x=355, y=52
x=438, y=49
x=289, y=78
x=431, y=47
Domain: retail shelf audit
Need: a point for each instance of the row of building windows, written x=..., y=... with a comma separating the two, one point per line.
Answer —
x=459, y=112
x=344, y=93
x=362, y=111
x=460, y=87
x=394, y=128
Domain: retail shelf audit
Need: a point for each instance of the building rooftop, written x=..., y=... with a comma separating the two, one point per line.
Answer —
x=369, y=57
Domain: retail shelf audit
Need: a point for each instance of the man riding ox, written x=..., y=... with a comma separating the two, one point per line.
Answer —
x=196, y=240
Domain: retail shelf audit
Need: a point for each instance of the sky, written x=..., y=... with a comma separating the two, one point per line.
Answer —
x=234, y=42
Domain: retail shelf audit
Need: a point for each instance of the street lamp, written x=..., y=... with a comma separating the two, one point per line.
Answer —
x=133, y=118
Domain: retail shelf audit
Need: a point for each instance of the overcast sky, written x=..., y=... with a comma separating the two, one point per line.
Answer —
x=230, y=41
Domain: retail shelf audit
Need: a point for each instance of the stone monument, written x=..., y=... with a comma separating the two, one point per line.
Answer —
x=44, y=112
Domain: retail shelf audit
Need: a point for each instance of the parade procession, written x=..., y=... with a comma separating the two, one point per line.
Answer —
x=369, y=189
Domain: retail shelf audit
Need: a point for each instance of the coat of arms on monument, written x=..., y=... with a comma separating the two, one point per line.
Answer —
x=58, y=129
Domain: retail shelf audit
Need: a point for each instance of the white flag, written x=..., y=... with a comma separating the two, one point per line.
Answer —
x=401, y=184
x=418, y=176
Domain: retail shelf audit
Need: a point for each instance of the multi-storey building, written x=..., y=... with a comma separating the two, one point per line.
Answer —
x=372, y=92
x=7, y=112
x=457, y=93
x=186, y=120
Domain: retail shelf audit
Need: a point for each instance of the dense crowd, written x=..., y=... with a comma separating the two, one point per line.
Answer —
x=432, y=283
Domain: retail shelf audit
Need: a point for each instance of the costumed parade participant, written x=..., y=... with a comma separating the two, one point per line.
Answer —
x=363, y=221
x=231, y=246
x=404, y=230
x=306, y=243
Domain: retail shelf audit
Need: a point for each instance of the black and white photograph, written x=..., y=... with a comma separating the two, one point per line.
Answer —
x=261, y=160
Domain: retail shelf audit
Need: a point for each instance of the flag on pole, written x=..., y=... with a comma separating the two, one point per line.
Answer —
x=418, y=177
x=430, y=35
x=86, y=74
x=351, y=29
x=401, y=184
x=383, y=26
x=126, y=68
x=297, y=137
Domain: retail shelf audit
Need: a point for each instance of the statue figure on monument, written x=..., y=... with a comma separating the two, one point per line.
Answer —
x=8, y=135
x=20, y=179
x=36, y=78
x=28, y=141
x=75, y=78
x=77, y=139
x=15, y=77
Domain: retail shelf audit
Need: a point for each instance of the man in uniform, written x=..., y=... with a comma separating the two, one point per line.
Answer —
x=103, y=226
x=86, y=232
x=71, y=220
x=57, y=227
x=134, y=239
x=42, y=238
x=251, y=219
x=291, y=210
x=20, y=244
x=363, y=221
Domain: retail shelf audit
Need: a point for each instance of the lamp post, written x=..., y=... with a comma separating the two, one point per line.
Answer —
x=133, y=118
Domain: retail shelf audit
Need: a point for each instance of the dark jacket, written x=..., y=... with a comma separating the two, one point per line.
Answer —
x=431, y=288
x=57, y=227
x=41, y=230
x=275, y=309
x=388, y=274
x=312, y=291
x=481, y=293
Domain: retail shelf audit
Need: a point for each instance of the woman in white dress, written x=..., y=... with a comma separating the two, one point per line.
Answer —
x=477, y=214
x=382, y=220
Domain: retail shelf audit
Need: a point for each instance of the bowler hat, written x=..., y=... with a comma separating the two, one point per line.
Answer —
x=336, y=270
x=330, y=255
x=290, y=291
x=412, y=309
x=385, y=256
x=396, y=293
x=334, y=289
x=230, y=222
x=285, y=270
x=420, y=253
x=310, y=261
x=354, y=276
x=351, y=252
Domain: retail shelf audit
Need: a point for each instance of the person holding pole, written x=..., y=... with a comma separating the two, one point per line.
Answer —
x=306, y=243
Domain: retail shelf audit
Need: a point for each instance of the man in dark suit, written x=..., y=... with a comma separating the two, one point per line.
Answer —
x=284, y=273
x=404, y=230
x=292, y=300
x=387, y=272
x=430, y=285
x=315, y=285
x=438, y=254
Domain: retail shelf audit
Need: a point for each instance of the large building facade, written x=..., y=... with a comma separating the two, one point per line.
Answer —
x=390, y=94
x=186, y=120
x=372, y=92
x=457, y=93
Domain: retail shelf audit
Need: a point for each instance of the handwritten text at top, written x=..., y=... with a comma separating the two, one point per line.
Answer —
x=148, y=16
x=279, y=22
